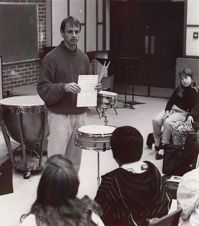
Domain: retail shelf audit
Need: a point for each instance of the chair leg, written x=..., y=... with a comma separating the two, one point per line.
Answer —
x=115, y=110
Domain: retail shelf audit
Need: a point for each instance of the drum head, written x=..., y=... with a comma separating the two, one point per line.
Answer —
x=107, y=93
x=96, y=130
x=24, y=101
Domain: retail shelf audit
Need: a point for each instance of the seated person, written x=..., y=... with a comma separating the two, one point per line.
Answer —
x=179, y=111
x=188, y=198
x=182, y=129
x=134, y=191
x=56, y=202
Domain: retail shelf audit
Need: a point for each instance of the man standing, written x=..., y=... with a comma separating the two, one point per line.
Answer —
x=58, y=88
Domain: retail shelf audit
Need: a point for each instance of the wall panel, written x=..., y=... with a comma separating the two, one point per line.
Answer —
x=193, y=12
x=81, y=39
x=59, y=11
x=77, y=9
x=91, y=26
x=192, y=47
x=100, y=37
x=192, y=28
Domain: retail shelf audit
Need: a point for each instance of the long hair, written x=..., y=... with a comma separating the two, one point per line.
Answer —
x=181, y=88
x=56, y=192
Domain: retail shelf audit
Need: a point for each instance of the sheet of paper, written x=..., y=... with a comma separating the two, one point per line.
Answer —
x=88, y=95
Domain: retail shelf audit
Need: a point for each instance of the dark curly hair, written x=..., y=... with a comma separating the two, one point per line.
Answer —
x=126, y=144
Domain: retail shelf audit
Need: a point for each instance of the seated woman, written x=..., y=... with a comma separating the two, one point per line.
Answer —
x=188, y=198
x=133, y=192
x=181, y=129
x=56, y=202
x=179, y=113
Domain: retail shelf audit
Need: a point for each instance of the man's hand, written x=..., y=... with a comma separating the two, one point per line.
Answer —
x=72, y=87
x=98, y=86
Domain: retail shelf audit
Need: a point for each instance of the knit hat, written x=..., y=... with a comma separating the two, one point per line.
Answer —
x=186, y=72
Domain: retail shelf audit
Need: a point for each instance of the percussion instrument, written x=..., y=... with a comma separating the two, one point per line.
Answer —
x=30, y=108
x=106, y=99
x=31, y=90
x=94, y=137
x=24, y=119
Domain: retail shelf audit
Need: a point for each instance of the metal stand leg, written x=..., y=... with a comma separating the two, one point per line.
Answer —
x=98, y=168
x=24, y=168
x=115, y=110
x=97, y=109
x=133, y=102
x=8, y=143
x=43, y=117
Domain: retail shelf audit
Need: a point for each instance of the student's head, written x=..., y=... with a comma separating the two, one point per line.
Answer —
x=126, y=144
x=70, y=29
x=186, y=77
x=59, y=182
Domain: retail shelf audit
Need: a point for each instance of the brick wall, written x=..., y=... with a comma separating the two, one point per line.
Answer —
x=25, y=73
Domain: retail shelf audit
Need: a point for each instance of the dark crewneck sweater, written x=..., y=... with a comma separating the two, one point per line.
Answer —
x=187, y=101
x=61, y=66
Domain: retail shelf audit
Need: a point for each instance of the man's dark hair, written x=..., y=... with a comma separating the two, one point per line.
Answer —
x=70, y=20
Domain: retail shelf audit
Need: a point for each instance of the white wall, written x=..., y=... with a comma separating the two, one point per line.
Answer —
x=0, y=78
x=192, y=26
x=91, y=18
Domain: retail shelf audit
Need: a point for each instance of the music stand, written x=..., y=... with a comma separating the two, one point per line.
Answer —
x=96, y=55
x=127, y=64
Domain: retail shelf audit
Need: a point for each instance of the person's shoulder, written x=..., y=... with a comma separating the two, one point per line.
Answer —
x=51, y=55
x=177, y=89
x=30, y=220
x=151, y=168
x=149, y=164
x=111, y=173
x=192, y=175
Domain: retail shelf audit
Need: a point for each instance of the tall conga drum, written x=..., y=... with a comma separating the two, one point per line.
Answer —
x=24, y=119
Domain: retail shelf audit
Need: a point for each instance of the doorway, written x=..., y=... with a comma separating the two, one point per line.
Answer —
x=148, y=37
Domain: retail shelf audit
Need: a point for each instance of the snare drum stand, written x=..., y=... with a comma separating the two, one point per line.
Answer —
x=98, y=164
x=104, y=116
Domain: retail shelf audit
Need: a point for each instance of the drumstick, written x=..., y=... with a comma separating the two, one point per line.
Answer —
x=103, y=68
x=108, y=65
x=102, y=72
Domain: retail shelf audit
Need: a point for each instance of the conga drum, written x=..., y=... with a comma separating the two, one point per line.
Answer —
x=24, y=120
x=95, y=137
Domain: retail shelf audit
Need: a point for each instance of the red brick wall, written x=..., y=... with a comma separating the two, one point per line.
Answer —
x=25, y=73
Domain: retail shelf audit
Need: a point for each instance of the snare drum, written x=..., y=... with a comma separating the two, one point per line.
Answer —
x=29, y=110
x=106, y=99
x=94, y=137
